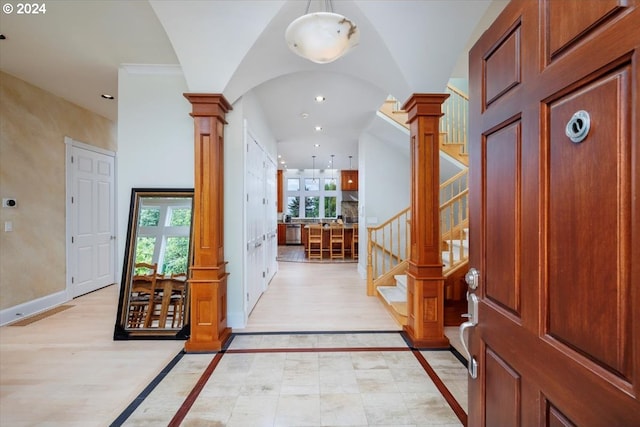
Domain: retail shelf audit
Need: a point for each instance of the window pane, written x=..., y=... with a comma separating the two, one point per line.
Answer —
x=312, y=184
x=176, y=255
x=293, y=206
x=144, y=249
x=149, y=217
x=330, y=207
x=180, y=216
x=293, y=184
x=312, y=207
x=330, y=184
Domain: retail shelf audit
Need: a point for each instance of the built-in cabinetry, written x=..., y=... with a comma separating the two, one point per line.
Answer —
x=349, y=180
x=280, y=197
x=282, y=234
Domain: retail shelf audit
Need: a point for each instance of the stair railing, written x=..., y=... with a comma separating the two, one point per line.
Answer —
x=387, y=246
x=453, y=124
x=454, y=221
x=389, y=243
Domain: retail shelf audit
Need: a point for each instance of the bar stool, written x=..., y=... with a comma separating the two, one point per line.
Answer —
x=314, y=242
x=354, y=242
x=336, y=241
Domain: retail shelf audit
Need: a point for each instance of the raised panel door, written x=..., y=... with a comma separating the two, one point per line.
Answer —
x=555, y=221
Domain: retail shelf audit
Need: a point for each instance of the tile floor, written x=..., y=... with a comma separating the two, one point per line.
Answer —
x=66, y=370
x=349, y=379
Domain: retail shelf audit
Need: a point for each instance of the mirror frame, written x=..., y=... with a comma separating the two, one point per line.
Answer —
x=121, y=332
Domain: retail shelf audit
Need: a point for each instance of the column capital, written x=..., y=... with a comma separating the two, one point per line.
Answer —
x=208, y=105
x=424, y=104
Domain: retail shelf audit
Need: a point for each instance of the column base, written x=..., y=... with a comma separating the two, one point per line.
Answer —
x=426, y=343
x=208, y=346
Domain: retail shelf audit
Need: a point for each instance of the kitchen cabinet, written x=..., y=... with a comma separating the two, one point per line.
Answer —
x=349, y=175
x=282, y=234
x=279, y=182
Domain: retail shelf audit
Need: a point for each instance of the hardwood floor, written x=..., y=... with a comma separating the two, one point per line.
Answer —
x=318, y=297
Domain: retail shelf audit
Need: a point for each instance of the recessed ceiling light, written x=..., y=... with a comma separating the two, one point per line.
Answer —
x=305, y=115
x=282, y=162
x=320, y=98
x=318, y=128
x=316, y=145
x=107, y=96
x=279, y=156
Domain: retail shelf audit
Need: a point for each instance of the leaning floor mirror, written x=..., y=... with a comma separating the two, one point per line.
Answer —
x=154, y=291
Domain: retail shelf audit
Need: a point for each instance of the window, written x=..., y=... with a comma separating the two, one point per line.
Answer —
x=293, y=184
x=163, y=234
x=330, y=207
x=293, y=206
x=312, y=207
x=144, y=250
x=175, y=260
x=149, y=217
x=311, y=194
x=330, y=184
x=312, y=184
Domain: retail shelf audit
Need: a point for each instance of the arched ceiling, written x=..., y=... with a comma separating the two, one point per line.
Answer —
x=235, y=47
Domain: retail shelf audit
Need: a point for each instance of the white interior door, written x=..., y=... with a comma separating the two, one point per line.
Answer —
x=255, y=231
x=91, y=262
x=270, y=219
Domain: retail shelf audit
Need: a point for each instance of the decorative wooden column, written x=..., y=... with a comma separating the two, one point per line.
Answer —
x=208, y=282
x=425, y=282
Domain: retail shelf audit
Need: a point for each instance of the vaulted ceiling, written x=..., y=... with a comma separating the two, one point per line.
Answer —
x=74, y=50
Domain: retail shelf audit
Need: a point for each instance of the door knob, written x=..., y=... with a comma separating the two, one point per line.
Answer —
x=472, y=278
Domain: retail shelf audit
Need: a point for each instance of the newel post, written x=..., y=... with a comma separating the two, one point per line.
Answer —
x=208, y=282
x=425, y=282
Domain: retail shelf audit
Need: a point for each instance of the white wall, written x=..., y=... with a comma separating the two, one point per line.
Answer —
x=246, y=108
x=384, y=184
x=155, y=137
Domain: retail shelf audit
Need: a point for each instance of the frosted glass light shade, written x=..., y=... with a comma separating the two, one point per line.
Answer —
x=322, y=37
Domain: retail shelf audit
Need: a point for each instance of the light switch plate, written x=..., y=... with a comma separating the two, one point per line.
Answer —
x=8, y=226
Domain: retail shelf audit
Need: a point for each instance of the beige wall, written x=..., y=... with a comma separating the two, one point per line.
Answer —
x=33, y=124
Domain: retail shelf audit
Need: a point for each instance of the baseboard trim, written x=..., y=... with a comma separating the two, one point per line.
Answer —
x=29, y=308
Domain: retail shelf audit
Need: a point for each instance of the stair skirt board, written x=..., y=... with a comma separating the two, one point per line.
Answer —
x=395, y=298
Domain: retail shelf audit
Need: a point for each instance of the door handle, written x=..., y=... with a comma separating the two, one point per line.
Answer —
x=472, y=304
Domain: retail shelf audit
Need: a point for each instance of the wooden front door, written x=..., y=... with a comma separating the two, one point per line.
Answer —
x=555, y=223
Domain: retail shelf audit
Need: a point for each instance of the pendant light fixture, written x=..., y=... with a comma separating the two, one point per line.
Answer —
x=322, y=37
x=333, y=171
x=313, y=169
x=350, y=181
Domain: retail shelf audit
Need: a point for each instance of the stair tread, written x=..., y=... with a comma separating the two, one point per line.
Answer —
x=392, y=294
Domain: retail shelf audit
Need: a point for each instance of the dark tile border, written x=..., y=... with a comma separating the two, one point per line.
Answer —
x=204, y=378
x=148, y=389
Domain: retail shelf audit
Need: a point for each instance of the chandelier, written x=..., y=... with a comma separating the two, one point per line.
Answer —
x=322, y=37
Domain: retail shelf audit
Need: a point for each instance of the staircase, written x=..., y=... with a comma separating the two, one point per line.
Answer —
x=389, y=243
x=453, y=124
x=396, y=298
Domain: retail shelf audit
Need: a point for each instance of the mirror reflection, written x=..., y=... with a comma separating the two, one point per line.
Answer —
x=154, y=291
